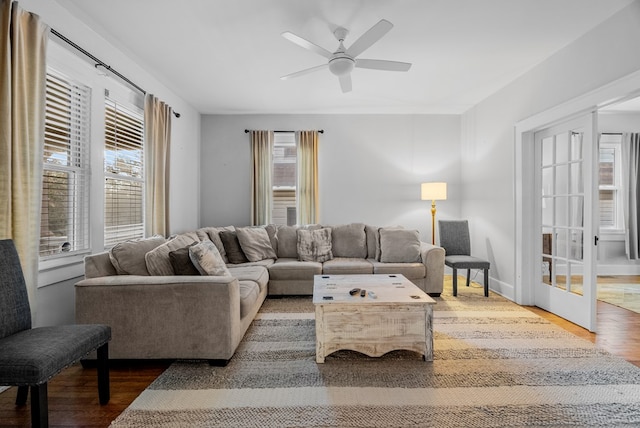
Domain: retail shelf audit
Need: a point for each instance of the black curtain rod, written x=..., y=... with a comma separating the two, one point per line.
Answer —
x=100, y=62
x=246, y=131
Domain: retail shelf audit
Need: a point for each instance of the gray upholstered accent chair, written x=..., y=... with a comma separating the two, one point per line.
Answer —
x=30, y=357
x=454, y=238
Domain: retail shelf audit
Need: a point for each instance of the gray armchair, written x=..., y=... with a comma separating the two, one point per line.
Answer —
x=30, y=357
x=454, y=238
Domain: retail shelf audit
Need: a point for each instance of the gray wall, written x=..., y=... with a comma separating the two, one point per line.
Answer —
x=370, y=166
x=606, y=53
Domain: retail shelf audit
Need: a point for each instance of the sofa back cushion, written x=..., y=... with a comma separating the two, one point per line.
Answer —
x=349, y=240
x=399, y=245
x=287, y=239
x=255, y=243
x=373, y=241
x=158, y=261
x=128, y=257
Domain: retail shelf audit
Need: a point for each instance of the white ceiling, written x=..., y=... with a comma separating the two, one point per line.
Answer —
x=226, y=56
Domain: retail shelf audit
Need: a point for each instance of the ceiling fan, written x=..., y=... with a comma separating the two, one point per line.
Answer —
x=343, y=60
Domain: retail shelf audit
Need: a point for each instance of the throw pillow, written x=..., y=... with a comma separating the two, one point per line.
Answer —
x=181, y=262
x=213, y=234
x=158, y=262
x=128, y=257
x=349, y=240
x=399, y=245
x=207, y=259
x=232, y=247
x=255, y=243
x=314, y=245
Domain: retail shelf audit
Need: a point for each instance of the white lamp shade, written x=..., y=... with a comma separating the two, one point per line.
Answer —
x=433, y=191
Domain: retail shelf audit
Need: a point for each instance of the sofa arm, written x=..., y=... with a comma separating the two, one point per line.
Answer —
x=163, y=316
x=433, y=260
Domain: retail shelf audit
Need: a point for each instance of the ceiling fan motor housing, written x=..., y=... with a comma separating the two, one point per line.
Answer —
x=341, y=64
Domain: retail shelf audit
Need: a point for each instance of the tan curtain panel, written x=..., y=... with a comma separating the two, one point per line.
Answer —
x=307, y=186
x=157, y=134
x=23, y=46
x=261, y=177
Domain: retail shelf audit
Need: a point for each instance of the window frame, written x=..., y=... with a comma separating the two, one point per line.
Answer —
x=284, y=140
x=614, y=142
x=78, y=166
x=131, y=113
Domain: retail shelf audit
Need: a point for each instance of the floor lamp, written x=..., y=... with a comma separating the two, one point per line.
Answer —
x=433, y=192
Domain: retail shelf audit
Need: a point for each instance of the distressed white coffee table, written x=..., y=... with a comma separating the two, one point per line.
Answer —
x=400, y=317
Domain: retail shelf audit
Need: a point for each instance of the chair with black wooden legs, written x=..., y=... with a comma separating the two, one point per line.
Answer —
x=454, y=238
x=30, y=357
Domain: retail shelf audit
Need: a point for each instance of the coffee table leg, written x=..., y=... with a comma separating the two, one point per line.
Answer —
x=428, y=342
x=319, y=334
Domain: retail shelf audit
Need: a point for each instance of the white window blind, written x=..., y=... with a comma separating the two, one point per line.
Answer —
x=124, y=173
x=64, y=224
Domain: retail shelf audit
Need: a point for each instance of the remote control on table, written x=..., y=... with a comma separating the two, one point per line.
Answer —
x=363, y=293
x=354, y=291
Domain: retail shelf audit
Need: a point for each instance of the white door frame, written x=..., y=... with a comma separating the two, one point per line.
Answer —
x=526, y=236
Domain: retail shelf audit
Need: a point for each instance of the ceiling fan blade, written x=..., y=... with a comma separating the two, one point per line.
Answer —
x=305, y=71
x=306, y=44
x=372, y=35
x=345, y=83
x=380, y=64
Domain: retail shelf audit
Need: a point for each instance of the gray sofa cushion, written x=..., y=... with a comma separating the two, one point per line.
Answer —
x=314, y=245
x=255, y=243
x=349, y=240
x=409, y=270
x=207, y=259
x=257, y=274
x=373, y=240
x=285, y=269
x=347, y=266
x=128, y=257
x=235, y=255
x=158, y=262
x=249, y=293
x=287, y=241
x=399, y=245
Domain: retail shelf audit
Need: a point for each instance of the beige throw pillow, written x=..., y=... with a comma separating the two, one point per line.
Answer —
x=399, y=245
x=158, y=261
x=314, y=245
x=207, y=259
x=255, y=243
x=128, y=257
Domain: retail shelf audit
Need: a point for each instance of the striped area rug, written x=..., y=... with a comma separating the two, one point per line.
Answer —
x=495, y=365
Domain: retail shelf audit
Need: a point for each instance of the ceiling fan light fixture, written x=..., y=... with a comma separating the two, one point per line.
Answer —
x=341, y=65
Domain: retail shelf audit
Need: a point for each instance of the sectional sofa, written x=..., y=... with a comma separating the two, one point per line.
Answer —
x=194, y=296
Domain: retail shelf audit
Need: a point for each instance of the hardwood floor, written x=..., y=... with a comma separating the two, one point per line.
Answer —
x=73, y=395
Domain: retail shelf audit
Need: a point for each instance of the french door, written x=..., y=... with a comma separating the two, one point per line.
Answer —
x=566, y=217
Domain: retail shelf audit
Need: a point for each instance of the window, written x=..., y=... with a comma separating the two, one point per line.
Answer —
x=284, y=178
x=64, y=223
x=124, y=173
x=610, y=181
